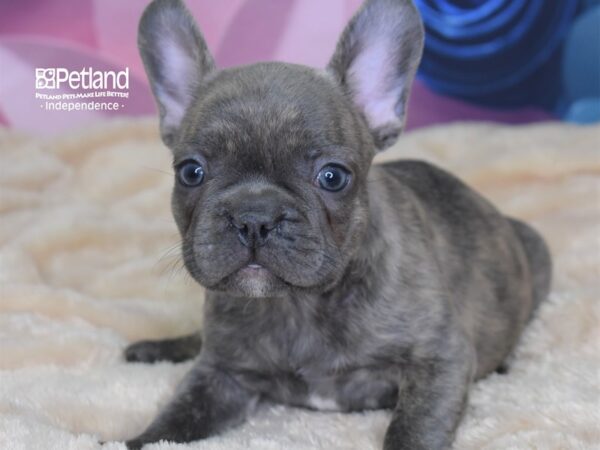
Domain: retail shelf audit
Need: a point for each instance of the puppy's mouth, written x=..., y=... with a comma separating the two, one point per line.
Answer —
x=254, y=271
x=253, y=280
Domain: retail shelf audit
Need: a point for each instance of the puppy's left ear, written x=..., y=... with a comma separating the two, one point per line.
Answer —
x=375, y=63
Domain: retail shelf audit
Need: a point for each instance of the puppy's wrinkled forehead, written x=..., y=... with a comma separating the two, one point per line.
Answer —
x=258, y=114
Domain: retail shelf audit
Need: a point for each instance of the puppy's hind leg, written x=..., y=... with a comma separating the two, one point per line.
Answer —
x=174, y=350
x=538, y=256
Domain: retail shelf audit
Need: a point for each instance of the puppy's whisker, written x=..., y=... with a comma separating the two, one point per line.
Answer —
x=154, y=169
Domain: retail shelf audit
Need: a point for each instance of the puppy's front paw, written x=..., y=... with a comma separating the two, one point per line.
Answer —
x=134, y=444
x=176, y=350
x=145, y=352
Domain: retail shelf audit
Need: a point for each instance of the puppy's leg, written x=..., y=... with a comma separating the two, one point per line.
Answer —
x=207, y=402
x=430, y=405
x=174, y=350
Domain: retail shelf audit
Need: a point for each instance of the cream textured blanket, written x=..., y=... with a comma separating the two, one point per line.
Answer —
x=89, y=261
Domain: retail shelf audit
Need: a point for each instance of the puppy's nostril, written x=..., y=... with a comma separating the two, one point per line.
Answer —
x=263, y=231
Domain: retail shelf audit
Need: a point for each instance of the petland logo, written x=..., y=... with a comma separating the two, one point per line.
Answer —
x=87, y=78
x=81, y=90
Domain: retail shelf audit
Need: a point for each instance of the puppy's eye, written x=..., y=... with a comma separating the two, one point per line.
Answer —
x=333, y=178
x=190, y=173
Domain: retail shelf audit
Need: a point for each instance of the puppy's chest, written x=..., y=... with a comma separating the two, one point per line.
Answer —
x=297, y=343
x=316, y=372
x=310, y=360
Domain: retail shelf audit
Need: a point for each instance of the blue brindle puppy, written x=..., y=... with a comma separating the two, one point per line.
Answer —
x=330, y=283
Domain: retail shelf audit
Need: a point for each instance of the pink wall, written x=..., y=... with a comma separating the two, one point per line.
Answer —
x=102, y=34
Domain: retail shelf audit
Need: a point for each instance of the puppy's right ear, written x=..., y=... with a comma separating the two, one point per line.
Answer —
x=176, y=60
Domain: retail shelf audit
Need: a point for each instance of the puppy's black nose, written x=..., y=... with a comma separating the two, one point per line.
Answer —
x=254, y=227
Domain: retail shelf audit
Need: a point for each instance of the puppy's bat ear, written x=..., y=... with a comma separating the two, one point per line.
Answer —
x=375, y=63
x=176, y=60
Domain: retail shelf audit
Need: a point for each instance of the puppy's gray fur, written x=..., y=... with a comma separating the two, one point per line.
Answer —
x=395, y=292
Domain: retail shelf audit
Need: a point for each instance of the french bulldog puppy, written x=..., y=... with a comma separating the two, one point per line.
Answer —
x=330, y=284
